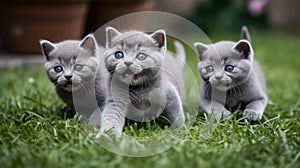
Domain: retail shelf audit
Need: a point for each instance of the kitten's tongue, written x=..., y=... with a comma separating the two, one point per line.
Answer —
x=129, y=74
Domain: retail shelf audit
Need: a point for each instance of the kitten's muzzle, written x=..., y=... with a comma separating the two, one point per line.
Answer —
x=218, y=77
x=68, y=77
x=129, y=74
x=68, y=84
x=128, y=63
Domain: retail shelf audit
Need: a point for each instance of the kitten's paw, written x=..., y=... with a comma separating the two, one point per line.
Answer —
x=178, y=123
x=252, y=114
x=225, y=114
x=95, y=118
x=111, y=132
x=222, y=115
x=100, y=134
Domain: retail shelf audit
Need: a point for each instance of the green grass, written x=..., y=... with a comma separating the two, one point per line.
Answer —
x=35, y=132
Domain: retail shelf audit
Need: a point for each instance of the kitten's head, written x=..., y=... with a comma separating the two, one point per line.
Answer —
x=134, y=57
x=225, y=64
x=71, y=63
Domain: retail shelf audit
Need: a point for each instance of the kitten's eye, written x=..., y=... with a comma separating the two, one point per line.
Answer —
x=209, y=69
x=58, y=69
x=119, y=55
x=229, y=68
x=141, y=56
x=78, y=67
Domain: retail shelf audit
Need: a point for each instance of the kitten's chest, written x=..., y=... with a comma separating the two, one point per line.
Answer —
x=236, y=98
x=140, y=99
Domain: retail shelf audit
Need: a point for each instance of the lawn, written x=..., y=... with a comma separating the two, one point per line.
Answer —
x=36, y=131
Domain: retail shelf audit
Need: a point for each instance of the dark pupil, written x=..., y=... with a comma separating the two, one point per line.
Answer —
x=119, y=55
x=141, y=56
x=58, y=69
x=229, y=68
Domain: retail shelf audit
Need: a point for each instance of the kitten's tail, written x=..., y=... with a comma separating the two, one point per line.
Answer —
x=180, y=53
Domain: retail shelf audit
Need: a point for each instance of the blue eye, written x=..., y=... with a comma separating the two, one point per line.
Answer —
x=141, y=56
x=229, y=68
x=119, y=55
x=58, y=69
x=78, y=67
x=209, y=69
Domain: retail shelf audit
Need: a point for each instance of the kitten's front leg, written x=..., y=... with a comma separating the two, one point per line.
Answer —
x=158, y=101
x=174, y=109
x=113, y=118
x=255, y=109
x=95, y=117
x=217, y=108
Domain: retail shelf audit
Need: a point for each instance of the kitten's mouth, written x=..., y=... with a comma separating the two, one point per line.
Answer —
x=223, y=87
x=68, y=84
x=128, y=74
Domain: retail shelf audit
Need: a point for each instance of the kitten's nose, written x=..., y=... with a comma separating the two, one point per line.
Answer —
x=218, y=77
x=128, y=63
x=68, y=77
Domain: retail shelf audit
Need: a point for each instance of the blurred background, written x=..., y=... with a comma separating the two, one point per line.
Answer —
x=24, y=23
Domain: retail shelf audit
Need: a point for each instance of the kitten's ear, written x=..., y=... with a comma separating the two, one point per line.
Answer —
x=245, y=34
x=89, y=42
x=160, y=38
x=111, y=33
x=47, y=47
x=245, y=48
x=201, y=48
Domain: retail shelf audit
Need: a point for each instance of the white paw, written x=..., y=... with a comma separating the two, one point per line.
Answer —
x=252, y=114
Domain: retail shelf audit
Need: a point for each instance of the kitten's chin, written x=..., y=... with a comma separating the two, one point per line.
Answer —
x=130, y=80
x=222, y=87
x=68, y=89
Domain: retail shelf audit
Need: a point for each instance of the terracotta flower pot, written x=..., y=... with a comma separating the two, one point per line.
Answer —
x=23, y=24
x=101, y=12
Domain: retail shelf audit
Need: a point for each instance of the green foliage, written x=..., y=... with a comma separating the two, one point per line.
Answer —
x=35, y=132
x=225, y=16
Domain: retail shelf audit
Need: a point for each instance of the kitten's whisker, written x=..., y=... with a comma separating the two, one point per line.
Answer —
x=235, y=89
x=84, y=87
x=241, y=87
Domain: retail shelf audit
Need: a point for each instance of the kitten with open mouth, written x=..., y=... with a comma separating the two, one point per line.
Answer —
x=69, y=86
x=72, y=65
x=144, y=80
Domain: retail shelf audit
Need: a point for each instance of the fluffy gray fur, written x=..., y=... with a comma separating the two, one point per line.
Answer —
x=231, y=78
x=144, y=80
x=71, y=66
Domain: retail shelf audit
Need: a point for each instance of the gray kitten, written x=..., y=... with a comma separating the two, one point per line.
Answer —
x=71, y=66
x=231, y=78
x=144, y=80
